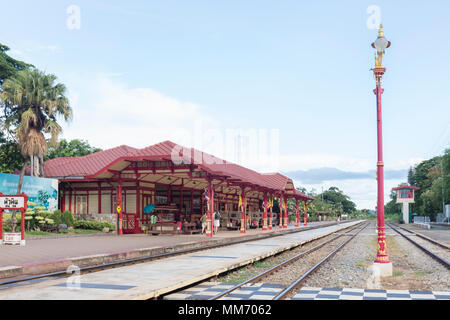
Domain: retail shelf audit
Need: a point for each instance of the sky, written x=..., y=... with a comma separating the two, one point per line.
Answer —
x=273, y=85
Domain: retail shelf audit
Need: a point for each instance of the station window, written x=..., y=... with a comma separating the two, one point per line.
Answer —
x=81, y=204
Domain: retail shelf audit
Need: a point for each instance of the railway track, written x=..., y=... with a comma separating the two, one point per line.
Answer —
x=436, y=250
x=330, y=247
x=5, y=284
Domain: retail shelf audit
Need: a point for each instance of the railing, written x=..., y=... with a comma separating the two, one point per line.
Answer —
x=422, y=221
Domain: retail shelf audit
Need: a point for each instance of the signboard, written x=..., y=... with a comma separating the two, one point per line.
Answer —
x=12, y=202
x=12, y=238
x=41, y=192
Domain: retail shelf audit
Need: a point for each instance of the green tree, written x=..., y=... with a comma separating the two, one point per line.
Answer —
x=10, y=157
x=338, y=199
x=31, y=103
x=432, y=177
x=8, y=65
x=72, y=148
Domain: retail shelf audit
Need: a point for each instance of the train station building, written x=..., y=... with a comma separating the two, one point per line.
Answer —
x=175, y=183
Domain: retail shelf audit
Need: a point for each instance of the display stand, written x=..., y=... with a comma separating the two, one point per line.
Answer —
x=13, y=202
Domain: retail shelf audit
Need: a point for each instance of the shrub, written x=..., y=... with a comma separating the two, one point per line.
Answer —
x=56, y=217
x=67, y=218
x=93, y=225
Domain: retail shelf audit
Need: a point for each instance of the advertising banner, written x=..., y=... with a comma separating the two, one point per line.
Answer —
x=40, y=191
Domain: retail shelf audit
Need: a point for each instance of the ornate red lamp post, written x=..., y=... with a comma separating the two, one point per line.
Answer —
x=380, y=44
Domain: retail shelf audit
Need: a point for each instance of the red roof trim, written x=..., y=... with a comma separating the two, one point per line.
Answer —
x=406, y=187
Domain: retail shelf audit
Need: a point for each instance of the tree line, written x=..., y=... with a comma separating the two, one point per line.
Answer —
x=432, y=177
x=330, y=202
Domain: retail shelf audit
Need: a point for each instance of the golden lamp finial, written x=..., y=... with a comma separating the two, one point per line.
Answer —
x=380, y=31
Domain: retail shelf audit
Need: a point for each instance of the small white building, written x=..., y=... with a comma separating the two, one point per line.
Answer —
x=405, y=196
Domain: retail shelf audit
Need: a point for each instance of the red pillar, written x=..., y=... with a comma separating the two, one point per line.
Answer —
x=99, y=192
x=285, y=213
x=1, y=226
x=209, y=208
x=244, y=213
x=138, y=210
x=271, y=214
x=22, y=221
x=181, y=201
x=305, y=218
x=212, y=210
x=119, y=207
x=297, y=218
x=63, y=201
x=382, y=256
x=280, y=205
x=22, y=224
x=265, y=212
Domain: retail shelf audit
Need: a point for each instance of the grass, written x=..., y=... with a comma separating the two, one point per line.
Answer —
x=397, y=274
x=420, y=273
x=362, y=265
x=247, y=272
x=74, y=232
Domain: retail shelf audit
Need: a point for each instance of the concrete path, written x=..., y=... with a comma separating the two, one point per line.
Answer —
x=151, y=279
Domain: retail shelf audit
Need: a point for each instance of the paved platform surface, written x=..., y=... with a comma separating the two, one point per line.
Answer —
x=441, y=234
x=42, y=250
x=266, y=291
x=151, y=279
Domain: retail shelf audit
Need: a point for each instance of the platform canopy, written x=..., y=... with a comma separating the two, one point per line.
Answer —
x=171, y=164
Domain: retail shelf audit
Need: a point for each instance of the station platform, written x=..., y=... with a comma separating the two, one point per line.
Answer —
x=438, y=233
x=54, y=254
x=152, y=279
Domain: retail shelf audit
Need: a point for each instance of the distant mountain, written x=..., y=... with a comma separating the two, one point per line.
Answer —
x=319, y=175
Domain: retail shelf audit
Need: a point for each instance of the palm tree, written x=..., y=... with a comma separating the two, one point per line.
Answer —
x=32, y=102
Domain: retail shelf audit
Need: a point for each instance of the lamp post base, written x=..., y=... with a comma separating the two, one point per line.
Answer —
x=382, y=269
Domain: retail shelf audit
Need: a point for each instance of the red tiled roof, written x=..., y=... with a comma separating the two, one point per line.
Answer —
x=276, y=179
x=91, y=165
x=86, y=165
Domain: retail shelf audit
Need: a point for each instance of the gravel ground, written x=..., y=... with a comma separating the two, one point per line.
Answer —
x=413, y=269
x=348, y=267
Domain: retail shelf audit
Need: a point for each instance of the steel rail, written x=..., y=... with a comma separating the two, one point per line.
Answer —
x=432, y=254
x=297, y=282
x=282, y=264
x=125, y=262
x=445, y=246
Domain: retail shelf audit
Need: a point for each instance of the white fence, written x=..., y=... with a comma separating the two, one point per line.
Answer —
x=422, y=221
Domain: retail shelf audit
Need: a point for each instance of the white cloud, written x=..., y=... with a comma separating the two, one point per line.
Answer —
x=110, y=114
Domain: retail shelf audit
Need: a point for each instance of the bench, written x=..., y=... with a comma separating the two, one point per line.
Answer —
x=163, y=228
x=190, y=228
